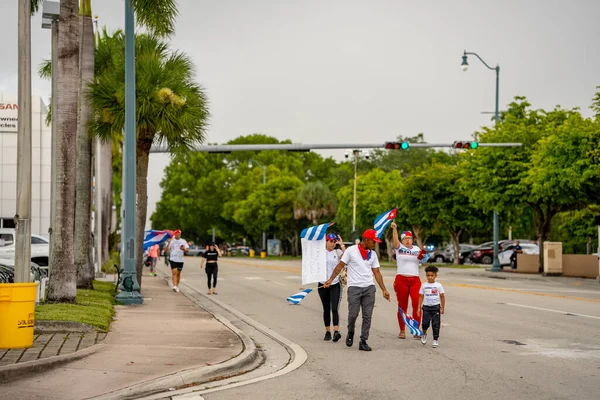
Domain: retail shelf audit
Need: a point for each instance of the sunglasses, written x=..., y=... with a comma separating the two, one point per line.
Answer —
x=332, y=241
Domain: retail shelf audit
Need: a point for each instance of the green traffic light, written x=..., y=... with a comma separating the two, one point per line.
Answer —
x=474, y=145
x=404, y=145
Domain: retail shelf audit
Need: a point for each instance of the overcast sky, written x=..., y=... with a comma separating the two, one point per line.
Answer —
x=323, y=71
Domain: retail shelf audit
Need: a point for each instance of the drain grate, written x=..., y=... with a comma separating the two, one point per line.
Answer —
x=515, y=342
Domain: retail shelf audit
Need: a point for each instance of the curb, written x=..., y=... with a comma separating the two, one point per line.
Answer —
x=62, y=327
x=14, y=372
x=242, y=363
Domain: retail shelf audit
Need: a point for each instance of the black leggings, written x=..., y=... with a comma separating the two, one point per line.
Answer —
x=212, y=269
x=431, y=314
x=331, y=299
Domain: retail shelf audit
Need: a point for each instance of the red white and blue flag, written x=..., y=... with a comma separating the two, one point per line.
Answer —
x=155, y=237
x=413, y=325
x=383, y=220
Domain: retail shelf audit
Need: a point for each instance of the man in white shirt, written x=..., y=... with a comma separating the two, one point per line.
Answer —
x=177, y=248
x=363, y=265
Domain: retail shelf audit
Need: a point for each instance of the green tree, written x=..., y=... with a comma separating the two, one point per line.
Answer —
x=314, y=202
x=171, y=107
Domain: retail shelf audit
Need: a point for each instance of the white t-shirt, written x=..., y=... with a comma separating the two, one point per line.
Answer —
x=360, y=272
x=175, y=253
x=407, y=261
x=431, y=293
x=333, y=259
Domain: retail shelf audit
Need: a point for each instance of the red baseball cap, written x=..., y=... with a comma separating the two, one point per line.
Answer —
x=406, y=234
x=371, y=234
x=177, y=231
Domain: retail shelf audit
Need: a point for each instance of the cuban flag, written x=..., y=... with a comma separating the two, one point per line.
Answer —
x=383, y=220
x=155, y=237
x=314, y=261
x=413, y=325
x=298, y=297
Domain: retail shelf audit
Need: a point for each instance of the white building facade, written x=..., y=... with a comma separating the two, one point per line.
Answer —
x=41, y=161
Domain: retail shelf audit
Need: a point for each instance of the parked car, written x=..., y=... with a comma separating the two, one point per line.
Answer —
x=7, y=271
x=240, y=250
x=447, y=255
x=196, y=251
x=40, y=246
x=528, y=248
x=484, y=253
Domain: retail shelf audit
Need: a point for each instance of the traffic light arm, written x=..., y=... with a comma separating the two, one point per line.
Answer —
x=227, y=148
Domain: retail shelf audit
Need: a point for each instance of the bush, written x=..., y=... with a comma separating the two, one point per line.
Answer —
x=108, y=266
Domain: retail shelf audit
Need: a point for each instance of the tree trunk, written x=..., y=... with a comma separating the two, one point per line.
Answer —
x=106, y=197
x=455, y=241
x=62, y=286
x=83, y=206
x=542, y=226
x=418, y=231
x=143, y=153
x=390, y=248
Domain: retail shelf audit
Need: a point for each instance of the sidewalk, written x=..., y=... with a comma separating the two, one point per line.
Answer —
x=147, y=348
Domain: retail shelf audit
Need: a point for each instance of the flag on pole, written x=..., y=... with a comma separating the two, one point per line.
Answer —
x=298, y=297
x=155, y=237
x=413, y=325
x=383, y=220
x=314, y=261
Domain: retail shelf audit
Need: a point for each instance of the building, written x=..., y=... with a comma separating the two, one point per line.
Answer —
x=41, y=160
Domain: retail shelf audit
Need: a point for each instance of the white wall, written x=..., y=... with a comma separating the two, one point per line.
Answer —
x=41, y=158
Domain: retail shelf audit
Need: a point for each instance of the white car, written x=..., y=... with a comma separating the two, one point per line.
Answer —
x=528, y=248
x=40, y=247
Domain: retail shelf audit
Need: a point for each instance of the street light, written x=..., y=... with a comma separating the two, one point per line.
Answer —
x=264, y=235
x=465, y=66
x=355, y=152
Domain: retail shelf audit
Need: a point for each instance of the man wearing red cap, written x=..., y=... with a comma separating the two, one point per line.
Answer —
x=177, y=248
x=363, y=265
x=407, y=282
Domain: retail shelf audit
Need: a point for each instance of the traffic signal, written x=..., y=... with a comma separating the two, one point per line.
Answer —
x=465, y=145
x=397, y=145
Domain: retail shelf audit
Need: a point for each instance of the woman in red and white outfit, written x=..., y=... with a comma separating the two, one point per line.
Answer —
x=407, y=282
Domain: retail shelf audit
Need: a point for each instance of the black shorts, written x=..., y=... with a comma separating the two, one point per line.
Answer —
x=175, y=264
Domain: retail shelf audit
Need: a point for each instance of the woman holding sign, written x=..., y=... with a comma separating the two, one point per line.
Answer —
x=331, y=297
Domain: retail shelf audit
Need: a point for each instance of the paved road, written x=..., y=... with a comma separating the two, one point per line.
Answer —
x=500, y=339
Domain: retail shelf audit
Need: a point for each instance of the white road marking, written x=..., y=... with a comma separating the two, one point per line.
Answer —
x=253, y=278
x=295, y=277
x=277, y=283
x=551, y=310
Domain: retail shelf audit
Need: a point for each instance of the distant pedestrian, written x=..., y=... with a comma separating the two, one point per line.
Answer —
x=407, y=282
x=517, y=249
x=432, y=302
x=331, y=297
x=211, y=255
x=177, y=248
x=153, y=253
x=362, y=265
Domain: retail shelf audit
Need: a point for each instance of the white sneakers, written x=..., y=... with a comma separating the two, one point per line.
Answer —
x=434, y=344
x=175, y=289
x=424, y=339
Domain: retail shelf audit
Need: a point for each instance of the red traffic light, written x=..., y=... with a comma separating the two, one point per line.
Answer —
x=465, y=145
x=397, y=145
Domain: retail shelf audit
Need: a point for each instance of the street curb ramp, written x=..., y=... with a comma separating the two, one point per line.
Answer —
x=242, y=363
x=10, y=373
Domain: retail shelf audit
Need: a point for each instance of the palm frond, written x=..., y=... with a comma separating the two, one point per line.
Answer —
x=157, y=15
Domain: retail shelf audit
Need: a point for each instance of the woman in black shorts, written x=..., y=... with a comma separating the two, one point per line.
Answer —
x=331, y=297
x=212, y=268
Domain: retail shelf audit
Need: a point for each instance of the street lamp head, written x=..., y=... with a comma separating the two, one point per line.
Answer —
x=465, y=64
x=249, y=163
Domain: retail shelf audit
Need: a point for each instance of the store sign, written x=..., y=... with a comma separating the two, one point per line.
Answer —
x=9, y=117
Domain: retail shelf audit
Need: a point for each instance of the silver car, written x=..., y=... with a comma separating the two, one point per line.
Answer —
x=447, y=255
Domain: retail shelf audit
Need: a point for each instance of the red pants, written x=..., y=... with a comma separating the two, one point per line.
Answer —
x=406, y=286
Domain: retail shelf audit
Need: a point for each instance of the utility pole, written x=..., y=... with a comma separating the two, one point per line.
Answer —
x=354, y=235
x=23, y=216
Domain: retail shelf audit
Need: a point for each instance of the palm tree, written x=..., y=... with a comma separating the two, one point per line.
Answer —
x=83, y=197
x=171, y=107
x=62, y=285
x=314, y=201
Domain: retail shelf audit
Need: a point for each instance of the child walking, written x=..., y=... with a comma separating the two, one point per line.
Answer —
x=432, y=303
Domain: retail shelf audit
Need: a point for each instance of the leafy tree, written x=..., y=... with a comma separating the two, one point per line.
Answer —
x=171, y=107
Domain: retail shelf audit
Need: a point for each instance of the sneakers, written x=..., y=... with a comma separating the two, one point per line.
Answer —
x=327, y=336
x=349, y=339
x=175, y=289
x=416, y=337
x=434, y=344
x=337, y=336
x=364, y=346
x=424, y=339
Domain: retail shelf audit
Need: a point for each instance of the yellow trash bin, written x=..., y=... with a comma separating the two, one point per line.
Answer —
x=252, y=252
x=263, y=254
x=17, y=307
